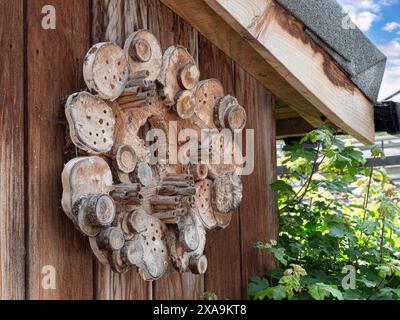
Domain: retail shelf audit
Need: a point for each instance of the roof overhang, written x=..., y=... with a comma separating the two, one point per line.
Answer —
x=273, y=45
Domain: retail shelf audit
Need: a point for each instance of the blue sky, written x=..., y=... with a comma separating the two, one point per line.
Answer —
x=380, y=20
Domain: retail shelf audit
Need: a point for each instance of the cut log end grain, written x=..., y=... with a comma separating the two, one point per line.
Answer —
x=111, y=239
x=125, y=159
x=132, y=252
x=140, y=50
x=106, y=70
x=91, y=122
x=190, y=237
x=144, y=54
x=176, y=73
x=228, y=113
x=188, y=76
x=185, y=105
x=101, y=210
x=143, y=174
x=227, y=192
x=198, y=265
x=206, y=95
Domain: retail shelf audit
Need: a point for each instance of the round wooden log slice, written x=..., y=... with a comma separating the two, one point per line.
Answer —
x=206, y=95
x=144, y=54
x=199, y=171
x=155, y=253
x=111, y=239
x=82, y=221
x=227, y=192
x=190, y=237
x=198, y=265
x=125, y=159
x=106, y=70
x=203, y=204
x=84, y=176
x=143, y=174
x=101, y=210
x=185, y=105
x=236, y=118
x=137, y=221
x=91, y=123
x=228, y=113
x=140, y=50
x=188, y=76
x=175, y=58
x=132, y=252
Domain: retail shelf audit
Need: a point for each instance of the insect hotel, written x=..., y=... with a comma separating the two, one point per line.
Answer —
x=104, y=194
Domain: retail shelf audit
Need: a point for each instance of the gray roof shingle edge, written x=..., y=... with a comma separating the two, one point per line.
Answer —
x=326, y=22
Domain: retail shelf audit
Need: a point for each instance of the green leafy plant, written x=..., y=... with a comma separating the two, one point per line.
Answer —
x=210, y=296
x=335, y=213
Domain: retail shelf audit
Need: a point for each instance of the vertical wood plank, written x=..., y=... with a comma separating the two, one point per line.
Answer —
x=55, y=59
x=223, y=276
x=107, y=284
x=172, y=30
x=258, y=211
x=12, y=251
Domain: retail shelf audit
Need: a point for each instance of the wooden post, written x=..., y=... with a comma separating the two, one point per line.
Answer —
x=54, y=60
x=12, y=246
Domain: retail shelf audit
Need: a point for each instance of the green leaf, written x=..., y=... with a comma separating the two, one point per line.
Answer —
x=317, y=292
x=256, y=285
x=275, y=293
x=368, y=283
x=383, y=271
x=320, y=291
x=210, y=296
x=337, y=230
x=282, y=187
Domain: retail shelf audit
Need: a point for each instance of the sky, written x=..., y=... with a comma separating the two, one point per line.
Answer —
x=380, y=21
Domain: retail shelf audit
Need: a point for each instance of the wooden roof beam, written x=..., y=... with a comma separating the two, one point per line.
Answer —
x=271, y=44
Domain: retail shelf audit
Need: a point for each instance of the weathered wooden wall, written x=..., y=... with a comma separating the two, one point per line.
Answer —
x=41, y=67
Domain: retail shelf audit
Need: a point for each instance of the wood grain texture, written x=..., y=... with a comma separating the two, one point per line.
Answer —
x=258, y=211
x=224, y=271
x=268, y=42
x=172, y=30
x=108, y=285
x=292, y=127
x=54, y=59
x=12, y=247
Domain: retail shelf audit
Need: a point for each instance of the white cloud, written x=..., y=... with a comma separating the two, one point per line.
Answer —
x=362, y=12
x=365, y=12
x=391, y=80
x=391, y=26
